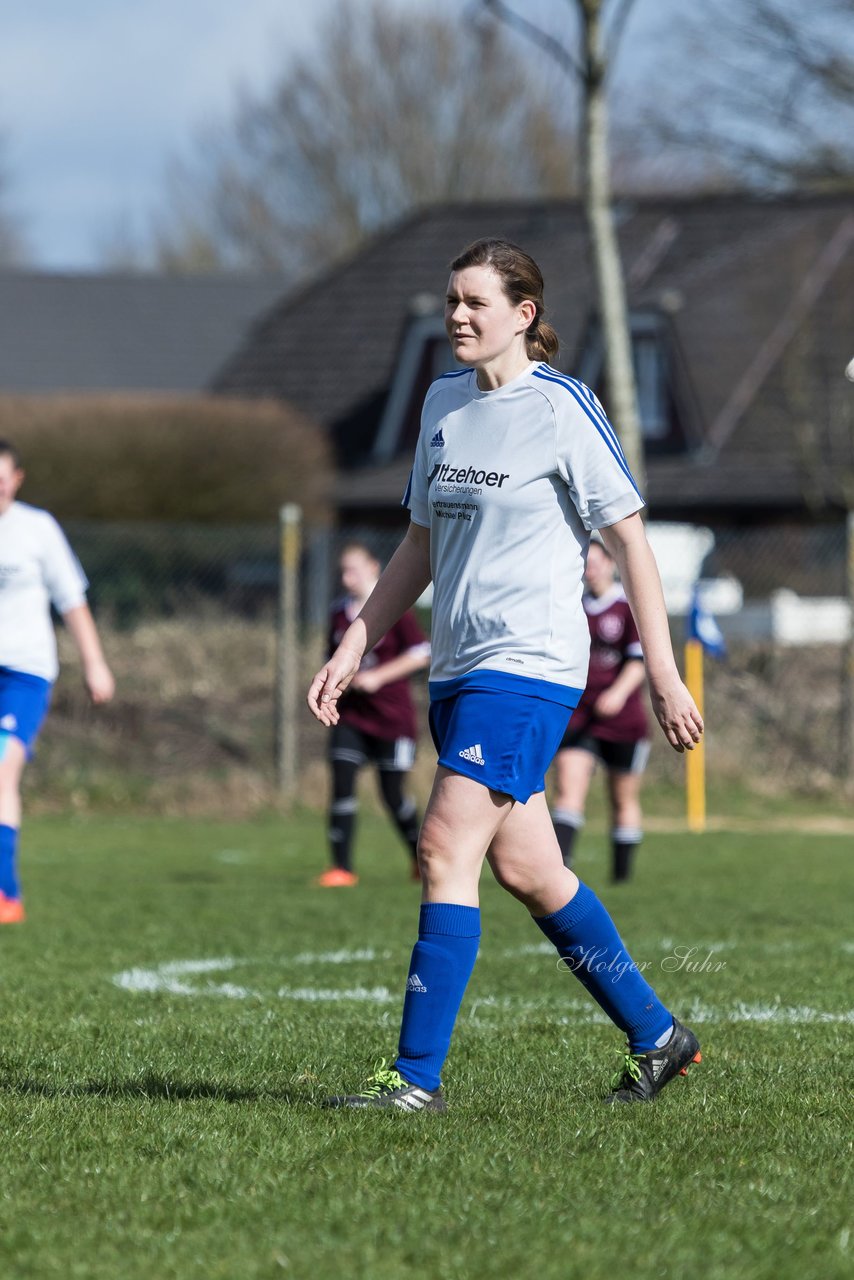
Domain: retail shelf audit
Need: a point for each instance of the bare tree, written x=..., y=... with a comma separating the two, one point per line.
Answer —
x=394, y=110
x=586, y=56
x=771, y=91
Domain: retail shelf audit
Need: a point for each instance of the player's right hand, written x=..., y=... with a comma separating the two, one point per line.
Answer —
x=330, y=683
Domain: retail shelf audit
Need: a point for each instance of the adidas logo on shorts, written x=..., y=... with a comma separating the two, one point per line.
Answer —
x=438, y=441
x=473, y=754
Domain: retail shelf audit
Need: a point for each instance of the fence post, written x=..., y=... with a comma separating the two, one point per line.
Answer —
x=288, y=649
x=846, y=717
x=695, y=761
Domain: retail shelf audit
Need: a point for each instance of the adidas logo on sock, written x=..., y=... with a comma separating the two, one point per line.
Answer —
x=473, y=754
x=414, y=983
x=438, y=441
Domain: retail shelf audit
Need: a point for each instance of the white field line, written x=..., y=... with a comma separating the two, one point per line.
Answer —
x=335, y=957
x=172, y=979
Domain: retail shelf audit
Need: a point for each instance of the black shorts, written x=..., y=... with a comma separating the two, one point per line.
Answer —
x=353, y=746
x=619, y=757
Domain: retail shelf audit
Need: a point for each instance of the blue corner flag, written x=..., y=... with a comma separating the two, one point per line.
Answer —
x=703, y=627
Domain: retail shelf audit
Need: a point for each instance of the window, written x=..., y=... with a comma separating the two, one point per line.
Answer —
x=659, y=420
x=425, y=354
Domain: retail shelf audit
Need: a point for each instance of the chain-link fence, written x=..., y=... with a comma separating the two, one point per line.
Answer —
x=189, y=617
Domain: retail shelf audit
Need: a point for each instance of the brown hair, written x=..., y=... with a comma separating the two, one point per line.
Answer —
x=8, y=450
x=522, y=281
x=363, y=548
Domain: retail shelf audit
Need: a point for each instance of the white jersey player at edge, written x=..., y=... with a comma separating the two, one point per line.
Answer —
x=37, y=569
x=516, y=464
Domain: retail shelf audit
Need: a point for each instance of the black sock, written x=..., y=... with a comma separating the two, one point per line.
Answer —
x=567, y=824
x=624, y=842
x=342, y=813
x=402, y=809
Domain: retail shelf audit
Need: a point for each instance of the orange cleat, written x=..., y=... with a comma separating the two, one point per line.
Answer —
x=336, y=878
x=11, y=910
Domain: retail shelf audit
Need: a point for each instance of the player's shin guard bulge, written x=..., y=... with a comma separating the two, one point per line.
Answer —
x=587, y=940
x=442, y=962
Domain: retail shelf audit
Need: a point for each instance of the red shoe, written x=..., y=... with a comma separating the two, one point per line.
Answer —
x=336, y=878
x=11, y=910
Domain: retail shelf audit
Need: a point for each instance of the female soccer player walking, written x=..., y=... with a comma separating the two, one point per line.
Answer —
x=609, y=725
x=376, y=720
x=37, y=569
x=515, y=465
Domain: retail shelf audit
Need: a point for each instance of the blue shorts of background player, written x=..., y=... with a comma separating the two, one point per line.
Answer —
x=506, y=741
x=24, y=702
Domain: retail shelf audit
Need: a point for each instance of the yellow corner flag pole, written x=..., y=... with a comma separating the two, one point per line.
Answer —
x=695, y=761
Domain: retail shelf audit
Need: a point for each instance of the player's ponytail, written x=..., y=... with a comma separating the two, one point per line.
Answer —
x=541, y=340
x=522, y=281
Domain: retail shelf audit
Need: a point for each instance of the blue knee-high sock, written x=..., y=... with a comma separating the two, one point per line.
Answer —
x=587, y=939
x=9, y=886
x=442, y=961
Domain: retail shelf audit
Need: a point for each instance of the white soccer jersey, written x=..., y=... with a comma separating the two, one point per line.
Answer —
x=510, y=482
x=37, y=569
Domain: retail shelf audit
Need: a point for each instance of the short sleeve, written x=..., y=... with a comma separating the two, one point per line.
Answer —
x=63, y=575
x=410, y=636
x=591, y=460
x=416, y=496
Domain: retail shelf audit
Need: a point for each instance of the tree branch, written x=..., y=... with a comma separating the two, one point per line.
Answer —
x=535, y=34
x=616, y=28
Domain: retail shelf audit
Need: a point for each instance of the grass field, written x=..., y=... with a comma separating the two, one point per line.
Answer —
x=181, y=998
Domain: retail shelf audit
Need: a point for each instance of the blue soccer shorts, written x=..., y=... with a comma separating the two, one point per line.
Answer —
x=24, y=700
x=506, y=741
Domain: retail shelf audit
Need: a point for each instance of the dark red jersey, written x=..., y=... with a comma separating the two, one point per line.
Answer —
x=390, y=712
x=614, y=641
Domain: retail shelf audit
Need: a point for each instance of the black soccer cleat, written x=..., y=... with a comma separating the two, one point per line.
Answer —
x=644, y=1075
x=388, y=1088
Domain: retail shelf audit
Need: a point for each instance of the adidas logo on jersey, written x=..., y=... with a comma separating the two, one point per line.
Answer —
x=414, y=983
x=438, y=441
x=473, y=754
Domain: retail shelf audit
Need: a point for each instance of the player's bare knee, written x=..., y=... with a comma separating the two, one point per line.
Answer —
x=513, y=876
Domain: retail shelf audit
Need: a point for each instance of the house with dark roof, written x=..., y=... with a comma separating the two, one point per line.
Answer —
x=741, y=313
x=115, y=332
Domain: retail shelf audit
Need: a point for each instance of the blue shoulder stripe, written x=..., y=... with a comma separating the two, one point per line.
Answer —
x=607, y=435
x=408, y=494
x=597, y=408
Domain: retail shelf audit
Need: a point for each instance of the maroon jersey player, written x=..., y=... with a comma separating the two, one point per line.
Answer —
x=609, y=725
x=377, y=722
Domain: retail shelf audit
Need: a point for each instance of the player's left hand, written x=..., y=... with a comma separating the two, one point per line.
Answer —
x=677, y=714
x=99, y=682
x=330, y=683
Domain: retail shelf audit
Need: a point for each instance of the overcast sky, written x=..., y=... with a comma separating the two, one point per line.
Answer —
x=95, y=95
